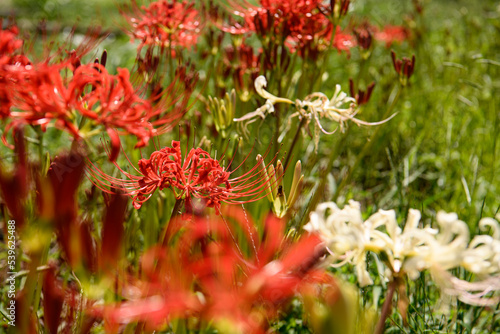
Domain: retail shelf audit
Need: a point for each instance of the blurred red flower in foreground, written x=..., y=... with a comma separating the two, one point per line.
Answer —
x=204, y=274
x=196, y=175
x=164, y=23
x=14, y=185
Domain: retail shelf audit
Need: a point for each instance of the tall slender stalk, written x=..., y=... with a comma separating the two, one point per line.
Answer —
x=176, y=211
x=295, y=139
x=386, y=308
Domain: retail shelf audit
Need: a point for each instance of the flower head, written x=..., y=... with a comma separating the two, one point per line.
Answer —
x=304, y=25
x=165, y=23
x=195, y=175
x=281, y=19
x=44, y=94
x=112, y=101
x=315, y=106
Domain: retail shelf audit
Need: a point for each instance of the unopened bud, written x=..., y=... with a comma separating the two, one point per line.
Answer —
x=265, y=178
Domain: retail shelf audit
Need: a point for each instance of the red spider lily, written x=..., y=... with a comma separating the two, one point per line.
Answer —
x=304, y=24
x=19, y=79
x=37, y=95
x=112, y=101
x=342, y=41
x=391, y=34
x=164, y=23
x=197, y=175
x=237, y=288
x=44, y=93
x=204, y=274
x=41, y=94
x=280, y=19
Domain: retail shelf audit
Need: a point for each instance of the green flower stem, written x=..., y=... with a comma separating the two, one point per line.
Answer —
x=38, y=291
x=294, y=142
x=317, y=81
x=33, y=286
x=177, y=210
x=367, y=147
x=39, y=134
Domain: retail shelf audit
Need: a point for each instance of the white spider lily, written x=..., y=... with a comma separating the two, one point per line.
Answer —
x=338, y=100
x=316, y=106
x=413, y=249
x=267, y=108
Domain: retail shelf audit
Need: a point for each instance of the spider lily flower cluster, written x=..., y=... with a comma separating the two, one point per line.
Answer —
x=413, y=249
x=196, y=175
x=307, y=27
x=165, y=24
x=316, y=106
x=44, y=94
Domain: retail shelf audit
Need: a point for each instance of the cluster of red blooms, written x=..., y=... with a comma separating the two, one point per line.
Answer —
x=217, y=282
x=196, y=175
x=165, y=23
x=42, y=93
x=304, y=25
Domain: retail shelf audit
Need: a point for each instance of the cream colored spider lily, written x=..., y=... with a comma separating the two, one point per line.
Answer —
x=316, y=106
x=413, y=249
